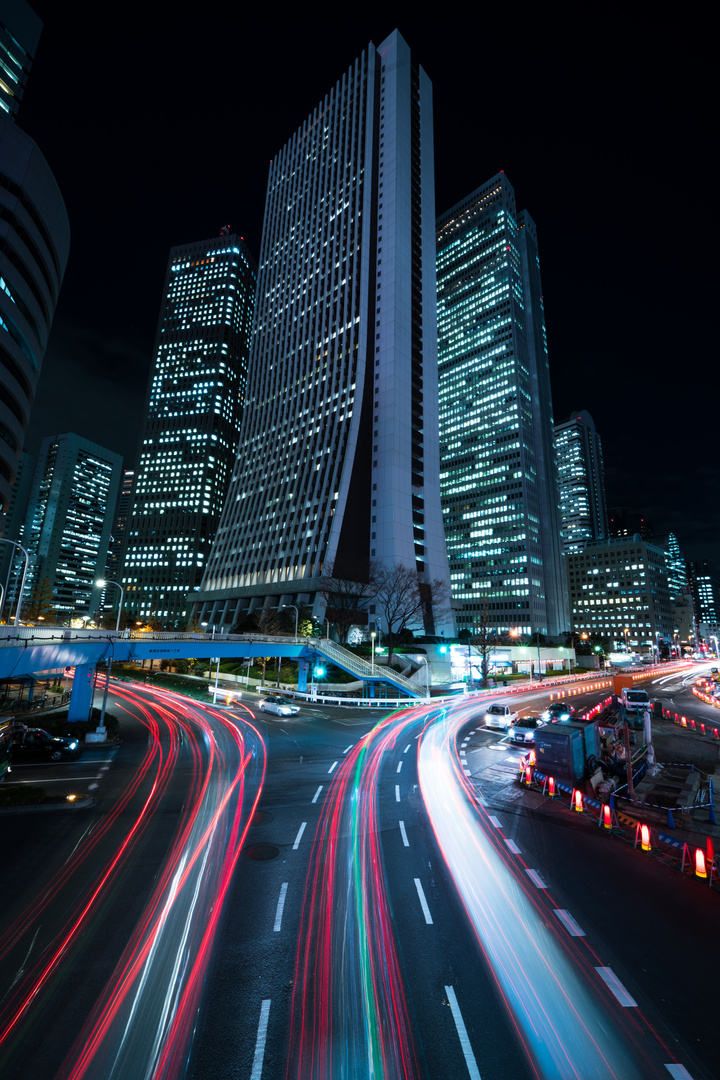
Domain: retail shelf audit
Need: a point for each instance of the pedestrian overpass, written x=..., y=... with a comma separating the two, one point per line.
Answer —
x=30, y=650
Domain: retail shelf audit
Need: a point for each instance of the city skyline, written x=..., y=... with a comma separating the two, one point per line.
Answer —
x=577, y=160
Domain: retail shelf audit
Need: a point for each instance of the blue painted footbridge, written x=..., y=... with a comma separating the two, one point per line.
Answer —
x=31, y=650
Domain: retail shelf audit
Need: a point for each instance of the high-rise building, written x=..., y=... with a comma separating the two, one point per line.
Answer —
x=34, y=244
x=498, y=475
x=195, y=402
x=111, y=596
x=68, y=523
x=338, y=458
x=619, y=591
x=705, y=590
x=581, y=481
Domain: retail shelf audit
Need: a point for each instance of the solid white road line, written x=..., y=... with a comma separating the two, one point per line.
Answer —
x=332, y=766
x=678, y=1072
x=53, y=780
x=612, y=982
x=280, y=905
x=513, y=846
x=397, y=793
x=298, y=838
x=407, y=748
x=535, y=878
x=348, y=748
x=494, y=821
x=569, y=923
x=399, y=766
x=470, y=1061
x=423, y=902
x=316, y=796
x=260, y=1041
x=405, y=840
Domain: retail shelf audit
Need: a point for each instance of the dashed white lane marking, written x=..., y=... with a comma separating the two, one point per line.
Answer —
x=298, y=838
x=91, y=787
x=569, y=923
x=612, y=982
x=405, y=840
x=423, y=902
x=535, y=878
x=678, y=1072
x=399, y=766
x=260, y=1041
x=513, y=846
x=407, y=748
x=462, y=1035
x=332, y=766
x=104, y=768
x=348, y=748
x=494, y=821
x=397, y=793
x=280, y=905
x=463, y=753
x=316, y=796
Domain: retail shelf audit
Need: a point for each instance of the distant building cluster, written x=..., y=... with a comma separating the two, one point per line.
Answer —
x=372, y=397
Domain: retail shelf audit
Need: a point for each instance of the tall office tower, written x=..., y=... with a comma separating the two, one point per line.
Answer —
x=337, y=462
x=195, y=402
x=11, y=559
x=581, y=481
x=111, y=595
x=68, y=523
x=34, y=244
x=705, y=589
x=675, y=563
x=498, y=474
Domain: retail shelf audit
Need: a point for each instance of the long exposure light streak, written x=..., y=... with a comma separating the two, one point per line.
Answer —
x=567, y=1028
x=142, y=1023
x=350, y=1018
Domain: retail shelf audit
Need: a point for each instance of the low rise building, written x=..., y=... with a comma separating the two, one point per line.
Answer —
x=619, y=590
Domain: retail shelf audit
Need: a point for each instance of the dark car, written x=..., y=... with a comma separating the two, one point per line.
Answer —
x=523, y=730
x=559, y=710
x=34, y=744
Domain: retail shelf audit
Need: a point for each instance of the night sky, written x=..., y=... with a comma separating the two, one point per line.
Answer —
x=160, y=132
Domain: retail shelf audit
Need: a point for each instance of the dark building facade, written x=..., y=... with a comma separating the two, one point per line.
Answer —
x=34, y=244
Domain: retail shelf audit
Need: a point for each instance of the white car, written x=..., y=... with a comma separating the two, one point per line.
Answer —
x=280, y=706
x=500, y=716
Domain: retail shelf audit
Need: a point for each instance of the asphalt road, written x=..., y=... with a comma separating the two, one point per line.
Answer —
x=343, y=946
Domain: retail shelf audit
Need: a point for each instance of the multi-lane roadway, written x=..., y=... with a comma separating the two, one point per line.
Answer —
x=380, y=902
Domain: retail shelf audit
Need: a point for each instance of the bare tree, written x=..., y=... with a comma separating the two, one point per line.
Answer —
x=405, y=601
x=346, y=598
x=484, y=637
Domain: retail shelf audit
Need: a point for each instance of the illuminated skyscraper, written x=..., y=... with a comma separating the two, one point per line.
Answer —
x=68, y=523
x=338, y=456
x=498, y=475
x=581, y=481
x=195, y=402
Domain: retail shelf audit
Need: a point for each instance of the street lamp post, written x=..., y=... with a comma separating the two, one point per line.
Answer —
x=297, y=616
x=102, y=584
x=24, y=578
x=372, y=639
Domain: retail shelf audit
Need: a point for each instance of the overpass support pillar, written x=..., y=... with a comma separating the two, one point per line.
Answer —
x=303, y=668
x=370, y=689
x=82, y=693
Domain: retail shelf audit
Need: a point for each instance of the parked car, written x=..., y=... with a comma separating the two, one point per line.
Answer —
x=34, y=744
x=278, y=705
x=500, y=716
x=558, y=711
x=523, y=730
